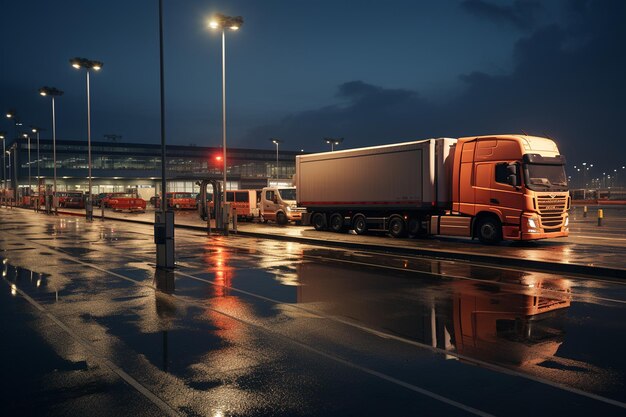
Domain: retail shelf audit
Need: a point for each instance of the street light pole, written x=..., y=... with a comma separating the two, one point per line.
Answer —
x=53, y=92
x=332, y=142
x=37, y=131
x=163, y=219
x=223, y=22
x=89, y=65
x=276, y=142
x=30, y=187
x=4, y=162
x=11, y=114
x=224, y=110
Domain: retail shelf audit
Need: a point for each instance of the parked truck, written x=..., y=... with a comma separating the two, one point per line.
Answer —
x=495, y=187
x=279, y=204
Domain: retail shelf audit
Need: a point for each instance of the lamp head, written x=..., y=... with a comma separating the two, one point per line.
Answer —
x=221, y=21
x=50, y=91
x=88, y=64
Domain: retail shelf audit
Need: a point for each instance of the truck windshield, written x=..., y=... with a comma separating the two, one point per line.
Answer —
x=287, y=193
x=540, y=177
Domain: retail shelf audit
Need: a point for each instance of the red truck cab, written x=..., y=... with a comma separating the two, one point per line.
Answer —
x=513, y=186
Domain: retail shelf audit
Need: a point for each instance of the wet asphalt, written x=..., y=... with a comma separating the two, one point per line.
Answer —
x=588, y=245
x=251, y=327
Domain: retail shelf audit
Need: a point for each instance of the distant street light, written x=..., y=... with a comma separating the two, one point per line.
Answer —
x=223, y=22
x=4, y=161
x=30, y=187
x=53, y=92
x=276, y=142
x=88, y=65
x=333, y=142
x=37, y=130
x=9, y=165
x=13, y=116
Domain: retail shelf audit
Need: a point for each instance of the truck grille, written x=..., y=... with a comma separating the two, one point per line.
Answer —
x=551, y=210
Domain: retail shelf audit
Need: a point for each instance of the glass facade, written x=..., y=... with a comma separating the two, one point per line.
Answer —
x=118, y=165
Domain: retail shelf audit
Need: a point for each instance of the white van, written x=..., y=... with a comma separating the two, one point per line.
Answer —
x=279, y=204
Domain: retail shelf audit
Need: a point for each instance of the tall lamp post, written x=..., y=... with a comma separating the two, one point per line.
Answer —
x=88, y=65
x=276, y=142
x=11, y=114
x=163, y=218
x=333, y=142
x=4, y=162
x=30, y=187
x=52, y=93
x=37, y=131
x=9, y=165
x=223, y=22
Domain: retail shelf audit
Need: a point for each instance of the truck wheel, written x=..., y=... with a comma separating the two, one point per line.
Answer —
x=415, y=227
x=489, y=230
x=359, y=225
x=281, y=218
x=336, y=223
x=319, y=221
x=397, y=227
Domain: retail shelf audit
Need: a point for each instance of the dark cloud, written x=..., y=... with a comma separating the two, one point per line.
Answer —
x=567, y=82
x=521, y=14
x=370, y=113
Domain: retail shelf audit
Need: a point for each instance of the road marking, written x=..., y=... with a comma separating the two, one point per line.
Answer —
x=602, y=238
x=89, y=350
x=490, y=366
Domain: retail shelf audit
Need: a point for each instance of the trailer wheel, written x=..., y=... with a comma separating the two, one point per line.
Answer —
x=414, y=227
x=397, y=227
x=281, y=218
x=359, y=224
x=336, y=223
x=489, y=230
x=319, y=221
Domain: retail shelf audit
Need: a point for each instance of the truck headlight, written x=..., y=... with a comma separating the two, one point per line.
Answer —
x=566, y=221
x=288, y=208
x=532, y=224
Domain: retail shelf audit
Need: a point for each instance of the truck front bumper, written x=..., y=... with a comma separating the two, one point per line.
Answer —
x=294, y=215
x=532, y=229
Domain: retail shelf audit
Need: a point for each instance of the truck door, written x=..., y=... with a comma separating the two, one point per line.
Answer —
x=483, y=171
x=269, y=207
x=504, y=196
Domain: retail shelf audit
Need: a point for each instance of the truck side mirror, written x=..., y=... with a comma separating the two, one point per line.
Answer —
x=512, y=180
x=512, y=176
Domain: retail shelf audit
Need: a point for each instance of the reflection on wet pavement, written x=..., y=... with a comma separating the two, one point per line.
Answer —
x=252, y=327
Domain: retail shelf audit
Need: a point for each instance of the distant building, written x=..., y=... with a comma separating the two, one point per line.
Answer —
x=118, y=166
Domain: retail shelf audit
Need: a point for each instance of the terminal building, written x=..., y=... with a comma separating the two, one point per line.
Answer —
x=118, y=166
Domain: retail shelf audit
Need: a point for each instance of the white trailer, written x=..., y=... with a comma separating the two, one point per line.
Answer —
x=366, y=184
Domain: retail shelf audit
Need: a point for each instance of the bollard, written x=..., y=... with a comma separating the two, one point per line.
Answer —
x=600, y=216
x=208, y=220
x=234, y=220
x=585, y=211
x=102, y=209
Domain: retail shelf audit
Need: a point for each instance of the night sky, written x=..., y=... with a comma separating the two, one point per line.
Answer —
x=372, y=72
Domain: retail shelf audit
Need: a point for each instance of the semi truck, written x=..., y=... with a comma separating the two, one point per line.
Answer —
x=496, y=187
